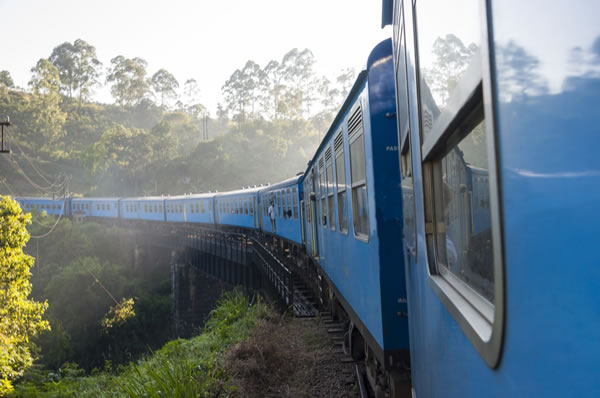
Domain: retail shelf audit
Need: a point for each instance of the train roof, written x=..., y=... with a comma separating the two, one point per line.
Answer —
x=37, y=198
x=250, y=191
x=192, y=196
x=285, y=183
x=375, y=55
x=145, y=198
x=97, y=199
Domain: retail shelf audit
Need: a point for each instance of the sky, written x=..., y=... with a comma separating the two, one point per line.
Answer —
x=201, y=39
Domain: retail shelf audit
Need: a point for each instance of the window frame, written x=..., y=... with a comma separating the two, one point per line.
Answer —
x=475, y=89
x=329, y=180
x=355, y=137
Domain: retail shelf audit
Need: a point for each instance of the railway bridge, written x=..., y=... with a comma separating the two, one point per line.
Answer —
x=205, y=261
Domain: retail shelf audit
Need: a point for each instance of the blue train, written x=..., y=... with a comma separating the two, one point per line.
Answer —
x=497, y=108
x=451, y=206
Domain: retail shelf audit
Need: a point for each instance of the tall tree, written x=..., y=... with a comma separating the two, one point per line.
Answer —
x=78, y=67
x=6, y=80
x=451, y=59
x=87, y=68
x=46, y=119
x=20, y=317
x=128, y=78
x=164, y=84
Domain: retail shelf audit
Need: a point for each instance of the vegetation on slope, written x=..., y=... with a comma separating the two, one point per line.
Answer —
x=182, y=368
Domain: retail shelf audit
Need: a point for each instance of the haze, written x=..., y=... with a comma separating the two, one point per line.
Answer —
x=205, y=40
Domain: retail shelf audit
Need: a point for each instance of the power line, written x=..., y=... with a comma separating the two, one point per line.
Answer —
x=59, y=216
x=41, y=174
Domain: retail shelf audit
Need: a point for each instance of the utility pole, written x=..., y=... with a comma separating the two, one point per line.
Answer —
x=205, y=128
x=5, y=148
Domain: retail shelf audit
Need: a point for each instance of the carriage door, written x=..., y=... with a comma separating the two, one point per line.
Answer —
x=255, y=212
x=315, y=218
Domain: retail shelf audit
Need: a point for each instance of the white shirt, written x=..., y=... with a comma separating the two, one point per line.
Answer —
x=271, y=212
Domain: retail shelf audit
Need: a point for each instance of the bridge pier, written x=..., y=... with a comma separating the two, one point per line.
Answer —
x=195, y=294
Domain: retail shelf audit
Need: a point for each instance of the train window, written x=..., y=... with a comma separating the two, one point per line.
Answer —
x=295, y=199
x=323, y=192
x=330, y=198
x=446, y=51
x=279, y=204
x=160, y=207
x=340, y=177
x=463, y=240
x=464, y=243
x=202, y=209
x=246, y=211
x=360, y=204
x=407, y=185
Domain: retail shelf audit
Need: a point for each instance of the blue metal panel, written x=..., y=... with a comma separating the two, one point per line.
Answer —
x=199, y=208
x=239, y=211
x=286, y=226
x=369, y=274
x=547, y=89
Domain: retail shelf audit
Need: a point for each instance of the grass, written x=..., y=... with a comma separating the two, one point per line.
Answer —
x=182, y=368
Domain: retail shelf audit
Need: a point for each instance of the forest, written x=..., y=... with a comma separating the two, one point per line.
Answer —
x=157, y=138
x=101, y=311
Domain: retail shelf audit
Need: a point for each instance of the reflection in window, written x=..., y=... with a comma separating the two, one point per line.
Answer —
x=464, y=237
x=330, y=199
x=360, y=207
x=447, y=45
x=340, y=177
x=322, y=190
x=295, y=198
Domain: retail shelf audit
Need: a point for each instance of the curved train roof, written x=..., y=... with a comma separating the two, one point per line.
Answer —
x=378, y=53
x=285, y=183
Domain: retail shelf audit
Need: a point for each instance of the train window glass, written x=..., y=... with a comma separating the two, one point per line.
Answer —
x=323, y=192
x=340, y=177
x=246, y=211
x=360, y=206
x=446, y=48
x=401, y=89
x=463, y=233
x=408, y=198
x=202, y=209
x=160, y=208
x=279, y=203
x=295, y=199
x=330, y=198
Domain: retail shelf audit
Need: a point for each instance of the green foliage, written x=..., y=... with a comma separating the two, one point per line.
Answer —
x=165, y=85
x=118, y=314
x=180, y=369
x=5, y=79
x=20, y=317
x=128, y=78
x=78, y=66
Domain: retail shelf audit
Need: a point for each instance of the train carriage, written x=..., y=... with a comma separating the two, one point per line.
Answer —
x=238, y=208
x=143, y=208
x=199, y=208
x=175, y=210
x=498, y=129
x=285, y=197
x=51, y=206
x=354, y=214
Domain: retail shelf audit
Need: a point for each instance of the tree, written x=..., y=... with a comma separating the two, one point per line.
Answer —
x=6, y=80
x=165, y=84
x=20, y=317
x=129, y=80
x=78, y=67
x=46, y=118
x=451, y=59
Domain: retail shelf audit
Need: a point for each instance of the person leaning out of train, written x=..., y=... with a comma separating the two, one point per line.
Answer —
x=271, y=213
